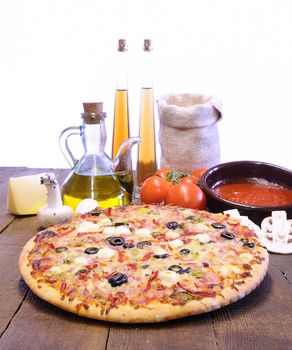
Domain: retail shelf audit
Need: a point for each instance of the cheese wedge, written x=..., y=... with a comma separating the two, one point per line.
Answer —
x=26, y=195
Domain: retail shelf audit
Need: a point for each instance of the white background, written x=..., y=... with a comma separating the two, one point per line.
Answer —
x=56, y=54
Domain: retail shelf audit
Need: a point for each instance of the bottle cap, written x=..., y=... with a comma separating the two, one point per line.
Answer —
x=93, y=113
x=122, y=45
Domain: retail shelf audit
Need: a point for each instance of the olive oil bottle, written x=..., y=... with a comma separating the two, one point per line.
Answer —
x=94, y=175
x=121, y=112
x=147, y=150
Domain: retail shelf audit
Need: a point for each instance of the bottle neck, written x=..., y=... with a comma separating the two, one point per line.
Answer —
x=94, y=138
x=122, y=70
x=147, y=70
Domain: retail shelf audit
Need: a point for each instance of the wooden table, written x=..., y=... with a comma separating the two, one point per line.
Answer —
x=262, y=320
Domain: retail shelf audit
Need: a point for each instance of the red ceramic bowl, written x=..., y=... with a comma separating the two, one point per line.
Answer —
x=232, y=171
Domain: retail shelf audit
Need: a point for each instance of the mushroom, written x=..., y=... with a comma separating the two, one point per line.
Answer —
x=54, y=212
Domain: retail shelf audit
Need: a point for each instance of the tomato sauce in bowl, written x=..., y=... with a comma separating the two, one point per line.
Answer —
x=253, y=193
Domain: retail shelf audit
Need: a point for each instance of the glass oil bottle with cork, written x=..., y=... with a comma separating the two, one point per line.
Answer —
x=95, y=175
x=147, y=149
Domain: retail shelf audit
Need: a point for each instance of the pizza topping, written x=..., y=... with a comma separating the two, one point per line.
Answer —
x=184, y=251
x=168, y=277
x=176, y=243
x=143, y=244
x=173, y=225
x=95, y=213
x=143, y=232
x=175, y=268
x=105, y=253
x=91, y=250
x=203, y=238
x=172, y=234
x=218, y=226
x=122, y=230
x=61, y=249
x=248, y=244
x=118, y=279
x=116, y=241
x=151, y=253
x=128, y=245
x=109, y=230
x=227, y=235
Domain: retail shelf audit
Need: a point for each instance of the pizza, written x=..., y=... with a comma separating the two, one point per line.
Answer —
x=144, y=263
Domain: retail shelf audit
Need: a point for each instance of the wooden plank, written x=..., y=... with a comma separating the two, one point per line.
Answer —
x=284, y=263
x=261, y=320
x=188, y=333
x=39, y=325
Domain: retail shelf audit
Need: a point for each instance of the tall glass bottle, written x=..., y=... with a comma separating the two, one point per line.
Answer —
x=121, y=113
x=147, y=150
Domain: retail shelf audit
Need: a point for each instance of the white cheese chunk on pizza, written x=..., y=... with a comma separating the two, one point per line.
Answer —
x=80, y=260
x=168, y=277
x=203, y=238
x=176, y=243
x=123, y=230
x=160, y=251
x=109, y=230
x=245, y=258
x=105, y=253
x=26, y=195
x=87, y=226
x=144, y=232
x=172, y=234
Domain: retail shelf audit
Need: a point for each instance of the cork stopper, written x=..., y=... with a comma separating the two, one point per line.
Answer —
x=122, y=45
x=147, y=45
x=93, y=113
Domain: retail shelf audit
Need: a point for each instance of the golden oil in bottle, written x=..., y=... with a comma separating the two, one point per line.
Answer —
x=105, y=189
x=147, y=152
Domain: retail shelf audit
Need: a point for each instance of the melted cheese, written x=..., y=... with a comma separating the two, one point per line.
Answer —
x=172, y=234
x=123, y=230
x=168, y=277
x=87, y=226
x=203, y=238
x=176, y=243
x=109, y=230
x=144, y=232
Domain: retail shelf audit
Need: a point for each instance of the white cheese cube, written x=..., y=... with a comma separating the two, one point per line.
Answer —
x=168, y=277
x=109, y=230
x=26, y=195
x=105, y=253
x=176, y=243
x=203, y=238
x=87, y=226
x=160, y=251
x=144, y=232
x=80, y=260
x=105, y=222
x=123, y=230
x=172, y=234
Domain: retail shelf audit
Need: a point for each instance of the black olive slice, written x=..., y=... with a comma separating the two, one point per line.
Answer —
x=91, y=250
x=115, y=241
x=244, y=240
x=218, y=226
x=95, y=213
x=79, y=272
x=161, y=256
x=61, y=249
x=187, y=270
x=184, y=251
x=120, y=223
x=248, y=244
x=128, y=245
x=227, y=235
x=175, y=268
x=47, y=233
x=117, y=279
x=172, y=225
x=143, y=244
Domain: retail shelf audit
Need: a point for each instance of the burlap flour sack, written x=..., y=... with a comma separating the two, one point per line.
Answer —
x=188, y=133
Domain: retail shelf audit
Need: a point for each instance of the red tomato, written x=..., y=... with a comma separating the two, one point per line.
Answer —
x=199, y=172
x=163, y=172
x=189, y=180
x=186, y=195
x=154, y=189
